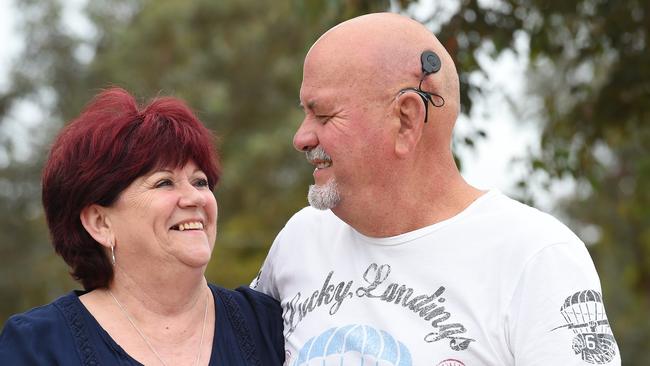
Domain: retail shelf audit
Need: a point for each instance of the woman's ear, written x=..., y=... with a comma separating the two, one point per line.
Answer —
x=95, y=220
x=411, y=113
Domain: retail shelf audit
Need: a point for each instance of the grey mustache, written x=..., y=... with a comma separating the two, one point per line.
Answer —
x=317, y=153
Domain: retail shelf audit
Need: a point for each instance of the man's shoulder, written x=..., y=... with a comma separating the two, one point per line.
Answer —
x=304, y=232
x=309, y=216
x=515, y=211
x=527, y=226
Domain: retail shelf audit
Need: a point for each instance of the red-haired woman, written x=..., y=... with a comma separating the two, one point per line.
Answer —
x=127, y=193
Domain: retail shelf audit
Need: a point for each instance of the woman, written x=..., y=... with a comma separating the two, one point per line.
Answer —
x=128, y=199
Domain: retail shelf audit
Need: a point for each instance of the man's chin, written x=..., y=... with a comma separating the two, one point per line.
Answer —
x=324, y=197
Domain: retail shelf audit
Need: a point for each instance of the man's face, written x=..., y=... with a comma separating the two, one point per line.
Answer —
x=342, y=132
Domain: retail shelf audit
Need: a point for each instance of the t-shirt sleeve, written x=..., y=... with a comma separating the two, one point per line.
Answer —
x=264, y=282
x=557, y=313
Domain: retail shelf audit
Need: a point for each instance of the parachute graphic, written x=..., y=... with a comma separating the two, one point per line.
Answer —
x=585, y=316
x=450, y=362
x=353, y=345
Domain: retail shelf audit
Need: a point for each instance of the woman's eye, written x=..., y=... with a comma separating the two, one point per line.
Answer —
x=201, y=182
x=163, y=183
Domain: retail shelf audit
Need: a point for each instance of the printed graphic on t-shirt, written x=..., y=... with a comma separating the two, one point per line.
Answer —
x=450, y=362
x=375, y=286
x=584, y=314
x=354, y=344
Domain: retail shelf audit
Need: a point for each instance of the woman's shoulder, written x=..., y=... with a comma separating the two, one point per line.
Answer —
x=41, y=318
x=36, y=332
x=247, y=296
x=250, y=303
x=256, y=319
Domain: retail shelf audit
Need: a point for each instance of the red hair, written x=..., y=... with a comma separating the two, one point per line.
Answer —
x=100, y=153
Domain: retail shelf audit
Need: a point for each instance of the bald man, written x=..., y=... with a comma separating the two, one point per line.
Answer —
x=398, y=261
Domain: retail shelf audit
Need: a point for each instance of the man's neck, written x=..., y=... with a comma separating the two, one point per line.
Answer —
x=406, y=210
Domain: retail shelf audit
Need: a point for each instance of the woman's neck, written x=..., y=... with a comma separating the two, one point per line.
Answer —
x=162, y=293
x=171, y=312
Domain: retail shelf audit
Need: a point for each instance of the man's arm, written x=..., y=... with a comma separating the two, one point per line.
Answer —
x=265, y=281
x=557, y=313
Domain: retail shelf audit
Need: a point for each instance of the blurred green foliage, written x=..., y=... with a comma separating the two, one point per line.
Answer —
x=238, y=63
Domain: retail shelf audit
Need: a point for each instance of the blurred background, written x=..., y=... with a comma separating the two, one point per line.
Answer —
x=555, y=102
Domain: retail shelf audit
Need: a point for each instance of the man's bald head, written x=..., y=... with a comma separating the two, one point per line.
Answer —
x=363, y=114
x=380, y=53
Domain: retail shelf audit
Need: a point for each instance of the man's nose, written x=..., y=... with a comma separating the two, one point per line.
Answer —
x=305, y=138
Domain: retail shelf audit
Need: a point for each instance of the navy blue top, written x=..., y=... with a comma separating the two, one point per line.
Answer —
x=248, y=331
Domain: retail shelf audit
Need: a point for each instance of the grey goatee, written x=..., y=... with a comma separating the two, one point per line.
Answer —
x=322, y=197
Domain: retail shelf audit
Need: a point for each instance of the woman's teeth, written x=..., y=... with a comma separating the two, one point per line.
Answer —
x=191, y=226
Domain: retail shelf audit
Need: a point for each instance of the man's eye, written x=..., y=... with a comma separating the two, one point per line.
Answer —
x=323, y=118
x=163, y=183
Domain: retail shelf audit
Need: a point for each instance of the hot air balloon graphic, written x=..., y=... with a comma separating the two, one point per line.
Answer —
x=353, y=345
x=584, y=314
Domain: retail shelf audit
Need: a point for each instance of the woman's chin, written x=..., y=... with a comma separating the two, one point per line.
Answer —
x=197, y=258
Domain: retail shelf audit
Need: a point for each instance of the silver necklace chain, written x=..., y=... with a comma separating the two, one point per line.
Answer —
x=146, y=341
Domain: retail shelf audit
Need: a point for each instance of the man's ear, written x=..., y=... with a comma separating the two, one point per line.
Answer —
x=410, y=111
x=95, y=220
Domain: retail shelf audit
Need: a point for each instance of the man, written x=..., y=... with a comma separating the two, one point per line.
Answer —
x=399, y=261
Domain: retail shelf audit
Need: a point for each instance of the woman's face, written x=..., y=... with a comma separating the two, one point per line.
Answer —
x=166, y=216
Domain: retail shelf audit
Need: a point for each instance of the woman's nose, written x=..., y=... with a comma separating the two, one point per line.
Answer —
x=191, y=196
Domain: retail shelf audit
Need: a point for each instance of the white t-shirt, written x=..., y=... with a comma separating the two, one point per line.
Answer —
x=500, y=283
